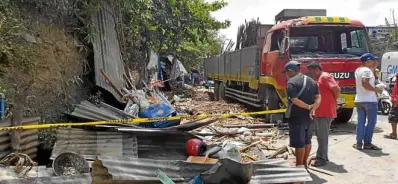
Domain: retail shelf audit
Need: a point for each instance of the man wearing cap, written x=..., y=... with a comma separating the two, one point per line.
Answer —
x=303, y=100
x=366, y=102
x=324, y=115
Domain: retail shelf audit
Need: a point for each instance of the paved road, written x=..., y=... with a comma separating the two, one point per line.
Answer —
x=351, y=166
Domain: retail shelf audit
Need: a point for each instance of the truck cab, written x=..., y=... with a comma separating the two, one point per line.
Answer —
x=335, y=42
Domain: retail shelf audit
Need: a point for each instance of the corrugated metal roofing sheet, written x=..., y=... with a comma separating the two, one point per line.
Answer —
x=155, y=144
x=133, y=169
x=81, y=179
x=93, y=143
x=107, y=54
x=277, y=171
x=88, y=111
x=29, y=138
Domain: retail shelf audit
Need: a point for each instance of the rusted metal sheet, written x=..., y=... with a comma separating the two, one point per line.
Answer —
x=134, y=169
x=29, y=138
x=107, y=54
x=90, y=144
x=138, y=169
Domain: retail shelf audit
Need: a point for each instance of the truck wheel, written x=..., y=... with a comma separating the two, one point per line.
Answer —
x=344, y=116
x=216, y=91
x=272, y=99
x=221, y=89
x=273, y=104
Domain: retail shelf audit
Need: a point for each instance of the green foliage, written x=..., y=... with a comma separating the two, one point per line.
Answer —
x=12, y=51
x=175, y=22
x=183, y=28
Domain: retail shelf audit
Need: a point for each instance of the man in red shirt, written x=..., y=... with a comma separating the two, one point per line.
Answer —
x=393, y=117
x=324, y=115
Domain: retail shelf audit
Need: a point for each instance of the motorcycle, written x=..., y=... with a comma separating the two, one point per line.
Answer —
x=384, y=100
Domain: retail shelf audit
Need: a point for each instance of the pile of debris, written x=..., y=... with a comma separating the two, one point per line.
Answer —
x=197, y=150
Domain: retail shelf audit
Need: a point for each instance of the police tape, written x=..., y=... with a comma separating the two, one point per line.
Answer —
x=139, y=120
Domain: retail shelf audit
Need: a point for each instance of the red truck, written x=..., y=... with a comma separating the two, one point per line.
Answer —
x=253, y=75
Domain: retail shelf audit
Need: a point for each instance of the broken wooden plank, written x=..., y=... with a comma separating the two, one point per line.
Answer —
x=250, y=126
x=267, y=134
x=111, y=83
x=249, y=146
x=290, y=150
x=281, y=150
x=200, y=160
x=130, y=83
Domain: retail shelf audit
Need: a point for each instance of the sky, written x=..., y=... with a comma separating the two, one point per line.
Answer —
x=369, y=12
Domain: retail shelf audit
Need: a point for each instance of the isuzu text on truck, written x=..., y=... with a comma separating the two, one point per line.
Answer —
x=253, y=75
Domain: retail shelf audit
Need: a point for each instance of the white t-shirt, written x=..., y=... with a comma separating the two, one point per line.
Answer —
x=364, y=95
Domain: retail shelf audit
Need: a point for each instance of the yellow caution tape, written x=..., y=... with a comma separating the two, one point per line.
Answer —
x=139, y=120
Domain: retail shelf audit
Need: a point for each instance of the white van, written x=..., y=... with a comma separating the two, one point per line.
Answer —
x=389, y=66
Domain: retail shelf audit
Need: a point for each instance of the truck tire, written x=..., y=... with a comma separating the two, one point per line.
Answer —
x=221, y=89
x=273, y=104
x=344, y=116
x=272, y=99
x=216, y=91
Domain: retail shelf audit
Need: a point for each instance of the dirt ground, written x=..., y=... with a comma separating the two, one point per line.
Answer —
x=349, y=165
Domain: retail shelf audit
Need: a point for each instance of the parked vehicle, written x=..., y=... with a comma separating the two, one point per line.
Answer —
x=253, y=75
x=389, y=66
x=384, y=100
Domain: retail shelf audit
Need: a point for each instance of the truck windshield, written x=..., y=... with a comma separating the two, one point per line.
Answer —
x=327, y=41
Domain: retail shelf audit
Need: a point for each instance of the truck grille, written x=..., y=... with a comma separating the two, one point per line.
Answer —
x=348, y=90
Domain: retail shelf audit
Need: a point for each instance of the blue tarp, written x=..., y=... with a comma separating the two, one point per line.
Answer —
x=158, y=111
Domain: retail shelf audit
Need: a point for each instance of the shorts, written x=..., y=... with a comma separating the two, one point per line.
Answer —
x=393, y=116
x=300, y=131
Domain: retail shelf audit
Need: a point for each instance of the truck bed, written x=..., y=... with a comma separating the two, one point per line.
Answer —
x=240, y=65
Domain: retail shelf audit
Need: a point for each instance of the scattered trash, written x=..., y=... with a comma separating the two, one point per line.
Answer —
x=176, y=98
x=196, y=180
x=231, y=151
x=164, y=178
x=132, y=108
x=195, y=147
x=241, y=117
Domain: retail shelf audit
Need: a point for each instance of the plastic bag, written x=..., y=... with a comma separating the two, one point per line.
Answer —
x=231, y=151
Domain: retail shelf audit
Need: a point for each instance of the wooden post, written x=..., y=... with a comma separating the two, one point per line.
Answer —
x=16, y=120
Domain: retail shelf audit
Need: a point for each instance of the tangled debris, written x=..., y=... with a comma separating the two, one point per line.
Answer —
x=23, y=163
x=256, y=139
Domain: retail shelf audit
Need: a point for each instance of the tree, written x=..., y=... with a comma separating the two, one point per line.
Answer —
x=181, y=27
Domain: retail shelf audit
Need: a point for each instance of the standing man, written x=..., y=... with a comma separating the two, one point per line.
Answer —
x=393, y=117
x=304, y=99
x=366, y=102
x=329, y=91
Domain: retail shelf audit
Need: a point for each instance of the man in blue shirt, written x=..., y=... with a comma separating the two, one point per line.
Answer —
x=304, y=100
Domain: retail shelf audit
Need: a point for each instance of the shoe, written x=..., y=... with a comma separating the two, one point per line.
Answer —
x=357, y=146
x=371, y=147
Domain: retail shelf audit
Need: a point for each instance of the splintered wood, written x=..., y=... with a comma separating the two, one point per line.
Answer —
x=257, y=139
